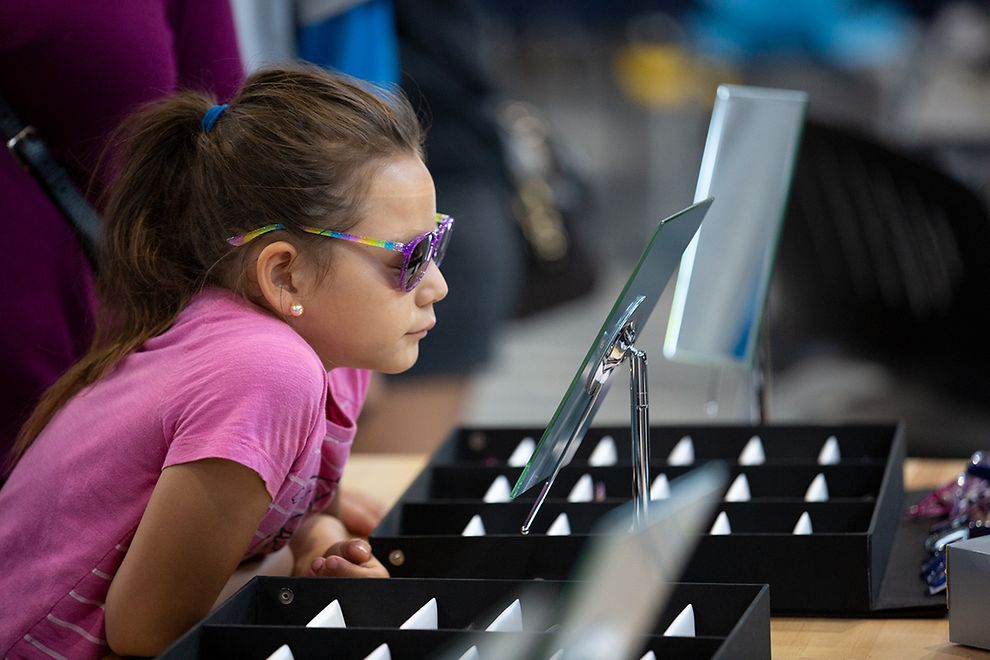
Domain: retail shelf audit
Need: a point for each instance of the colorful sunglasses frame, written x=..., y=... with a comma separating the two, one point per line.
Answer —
x=437, y=238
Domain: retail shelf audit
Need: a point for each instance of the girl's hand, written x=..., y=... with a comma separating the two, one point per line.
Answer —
x=349, y=559
x=322, y=546
x=359, y=511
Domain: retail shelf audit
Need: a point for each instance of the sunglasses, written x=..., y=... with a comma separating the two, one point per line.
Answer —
x=416, y=254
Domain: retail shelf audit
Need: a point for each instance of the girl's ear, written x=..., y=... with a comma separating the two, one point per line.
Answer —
x=280, y=277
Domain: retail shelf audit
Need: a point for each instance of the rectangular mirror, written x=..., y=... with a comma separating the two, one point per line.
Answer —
x=588, y=388
x=722, y=284
x=625, y=577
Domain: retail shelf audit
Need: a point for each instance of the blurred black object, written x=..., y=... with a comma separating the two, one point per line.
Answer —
x=34, y=155
x=445, y=78
x=885, y=258
x=516, y=247
x=550, y=197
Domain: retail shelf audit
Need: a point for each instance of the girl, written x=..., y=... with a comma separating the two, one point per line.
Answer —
x=246, y=294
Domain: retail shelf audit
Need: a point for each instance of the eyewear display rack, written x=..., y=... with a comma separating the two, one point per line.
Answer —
x=840, y=568
x=732, y=621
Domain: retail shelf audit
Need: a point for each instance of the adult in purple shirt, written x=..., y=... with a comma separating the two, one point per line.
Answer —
x=73, y=69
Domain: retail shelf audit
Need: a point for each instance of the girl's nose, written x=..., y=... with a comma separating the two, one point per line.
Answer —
x=433, y=287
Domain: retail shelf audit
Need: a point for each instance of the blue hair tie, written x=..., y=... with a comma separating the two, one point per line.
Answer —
x=211, y=116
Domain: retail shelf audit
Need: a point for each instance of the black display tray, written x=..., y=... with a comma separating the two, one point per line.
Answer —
x=732, y=621
x=837, y=570
x=443, y=483
x=784, y=444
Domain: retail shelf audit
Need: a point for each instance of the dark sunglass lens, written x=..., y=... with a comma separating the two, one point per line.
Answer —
x=417, y=262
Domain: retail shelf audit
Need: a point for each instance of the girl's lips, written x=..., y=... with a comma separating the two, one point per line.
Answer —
x=422, y=331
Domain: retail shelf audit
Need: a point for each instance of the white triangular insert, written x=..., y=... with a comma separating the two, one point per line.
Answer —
x=522, y=453
x=499, y=491
x=281, y=653
x=683, y=625
x=510, y=620
x=329, y=617
x=721, y=526
x=605, y=453
x=649, y=655
x=830, y=454
x=752, y=453
x=425, y=617
x=561, y=526
x=803, y=525
x=583, y=491
x=682, y=453
x=660, y=489
x=817, y=490
x=380, y=653
x=739, y=490
x=474, y=527
x=471, y=654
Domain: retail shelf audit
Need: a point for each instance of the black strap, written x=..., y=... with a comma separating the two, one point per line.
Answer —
x=33, y=154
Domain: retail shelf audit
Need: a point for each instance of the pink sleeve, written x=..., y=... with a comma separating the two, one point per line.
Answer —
x=258, y=412
x=349, y=388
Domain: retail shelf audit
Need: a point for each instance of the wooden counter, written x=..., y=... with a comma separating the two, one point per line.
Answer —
x=387, y=476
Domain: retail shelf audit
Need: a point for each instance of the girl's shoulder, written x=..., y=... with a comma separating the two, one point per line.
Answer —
x=223, y=337
x=239, y=374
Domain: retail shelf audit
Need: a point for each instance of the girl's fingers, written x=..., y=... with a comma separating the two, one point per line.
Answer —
x=337, y=566
x=360, y=513
x=373, y=507
x=356, y=551
x=357, y=520
x=351, y=558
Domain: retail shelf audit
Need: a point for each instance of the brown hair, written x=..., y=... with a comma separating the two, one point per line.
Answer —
x=297, y=146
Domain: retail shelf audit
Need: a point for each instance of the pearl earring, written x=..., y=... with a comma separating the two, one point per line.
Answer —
x=296, y=309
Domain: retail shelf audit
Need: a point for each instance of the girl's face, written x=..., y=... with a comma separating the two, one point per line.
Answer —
x=357, y=316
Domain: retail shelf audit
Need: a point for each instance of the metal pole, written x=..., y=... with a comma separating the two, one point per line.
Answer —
x=639, y=411
x=761, y=371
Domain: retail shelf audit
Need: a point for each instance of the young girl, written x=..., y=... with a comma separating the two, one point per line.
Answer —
x=261, y=257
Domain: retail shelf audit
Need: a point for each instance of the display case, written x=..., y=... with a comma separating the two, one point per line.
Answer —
x=731, y=621
x=836, y=569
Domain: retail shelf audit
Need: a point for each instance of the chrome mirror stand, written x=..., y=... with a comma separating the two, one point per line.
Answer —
x=639, y=411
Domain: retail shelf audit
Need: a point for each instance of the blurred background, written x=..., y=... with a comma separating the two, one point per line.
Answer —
x=878, y=301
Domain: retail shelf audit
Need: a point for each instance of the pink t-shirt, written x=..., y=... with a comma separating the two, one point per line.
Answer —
x=228, y=380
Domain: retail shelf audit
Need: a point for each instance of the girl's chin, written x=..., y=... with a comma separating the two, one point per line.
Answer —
x=401, y=359
x=400, y=364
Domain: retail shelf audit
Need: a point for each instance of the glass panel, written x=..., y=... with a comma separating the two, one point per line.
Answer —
x=577, y=409
x=624, y=578
x=746, y=167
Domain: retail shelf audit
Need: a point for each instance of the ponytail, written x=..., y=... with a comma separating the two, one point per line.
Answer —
x=296, y=147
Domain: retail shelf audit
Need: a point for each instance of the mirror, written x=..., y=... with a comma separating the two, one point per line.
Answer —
x=624, y=578
x=590, y=384
x=725, y=273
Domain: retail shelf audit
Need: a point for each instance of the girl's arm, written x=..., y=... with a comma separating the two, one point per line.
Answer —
x=199, y=522
x=278, y=563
